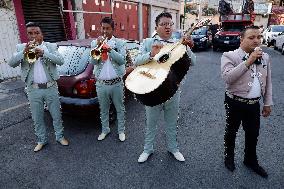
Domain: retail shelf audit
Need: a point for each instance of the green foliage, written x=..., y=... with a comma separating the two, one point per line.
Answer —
x=209, y=11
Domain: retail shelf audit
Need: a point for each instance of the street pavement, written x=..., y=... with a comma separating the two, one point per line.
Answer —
x=88, y=163
x=13, y=103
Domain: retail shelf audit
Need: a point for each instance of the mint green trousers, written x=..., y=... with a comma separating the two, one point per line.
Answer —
x=50, y=96
x=115, y=94
x=171, y=111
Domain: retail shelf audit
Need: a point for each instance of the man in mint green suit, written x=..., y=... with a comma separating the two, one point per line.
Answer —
x=109, y=70
x=149, y=48
x=40, y=77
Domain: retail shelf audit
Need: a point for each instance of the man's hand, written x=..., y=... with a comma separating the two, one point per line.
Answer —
x=186, y=40
x=100, y=39
x=39, y=52
x=266, y=111
x=155, y=49
x=257, y=53
x=106, y=47
x=27, y=47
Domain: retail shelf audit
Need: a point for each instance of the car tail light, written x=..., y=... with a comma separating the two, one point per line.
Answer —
x=85, y=88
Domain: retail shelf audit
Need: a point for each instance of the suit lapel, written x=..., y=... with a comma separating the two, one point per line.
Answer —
x=240, y=53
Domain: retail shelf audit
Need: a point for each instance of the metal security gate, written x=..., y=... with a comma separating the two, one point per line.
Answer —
x=47, y=13
x=9, y=38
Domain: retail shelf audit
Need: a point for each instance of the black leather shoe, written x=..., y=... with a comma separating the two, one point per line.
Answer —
x=257, y=169
x=230, y=164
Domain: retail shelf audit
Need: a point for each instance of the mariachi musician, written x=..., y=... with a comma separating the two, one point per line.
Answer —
x=38, y=60
x=109, y=69
x=149, y=48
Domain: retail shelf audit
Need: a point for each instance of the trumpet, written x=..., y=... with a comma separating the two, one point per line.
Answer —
x=30, y=55
x=96, y=52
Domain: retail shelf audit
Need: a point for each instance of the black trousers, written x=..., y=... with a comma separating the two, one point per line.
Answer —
x=249, y=115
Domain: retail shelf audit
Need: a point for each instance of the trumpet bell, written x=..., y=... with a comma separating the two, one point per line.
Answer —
x=31, y=57
x=95, y=54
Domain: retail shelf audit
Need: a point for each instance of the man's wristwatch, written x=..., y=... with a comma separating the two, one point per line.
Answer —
x=247, y=65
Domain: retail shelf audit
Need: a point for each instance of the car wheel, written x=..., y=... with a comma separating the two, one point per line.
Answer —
x=214, y=48
x=282, y=51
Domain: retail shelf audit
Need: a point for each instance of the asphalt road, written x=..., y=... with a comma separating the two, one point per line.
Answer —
x=88, y=163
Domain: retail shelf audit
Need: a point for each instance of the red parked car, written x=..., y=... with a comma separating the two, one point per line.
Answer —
x=77, y=82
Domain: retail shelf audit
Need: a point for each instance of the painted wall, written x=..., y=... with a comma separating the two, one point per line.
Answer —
x=9, y=35
x=125, y=16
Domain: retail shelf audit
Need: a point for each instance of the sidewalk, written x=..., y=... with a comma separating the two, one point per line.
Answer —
x=14, y=106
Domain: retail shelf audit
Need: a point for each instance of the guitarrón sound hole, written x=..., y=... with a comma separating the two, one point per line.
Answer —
x=164, y=58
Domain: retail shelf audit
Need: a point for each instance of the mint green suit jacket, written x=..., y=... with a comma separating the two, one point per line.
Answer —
x=117, y=56
x=50, y=60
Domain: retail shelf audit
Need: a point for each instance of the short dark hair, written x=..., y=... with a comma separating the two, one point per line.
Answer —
x=252, y=27
x=33, y=24
x=163, y=14
x=108, y=20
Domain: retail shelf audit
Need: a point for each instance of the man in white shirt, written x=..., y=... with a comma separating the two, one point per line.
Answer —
x=148, y=50
x=109, y=70
x=40, y=76
x=247, y=74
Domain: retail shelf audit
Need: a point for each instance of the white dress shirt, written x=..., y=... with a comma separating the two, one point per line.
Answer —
x=255, y=90
x=39, y=73
x=108, y=72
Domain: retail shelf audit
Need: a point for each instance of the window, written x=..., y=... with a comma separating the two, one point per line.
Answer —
x=75, y=60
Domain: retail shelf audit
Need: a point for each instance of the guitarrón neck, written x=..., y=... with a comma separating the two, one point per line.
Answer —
x=200, y=22
x=188, y=32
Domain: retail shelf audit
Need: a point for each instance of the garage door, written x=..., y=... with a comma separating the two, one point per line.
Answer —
x=47, y=13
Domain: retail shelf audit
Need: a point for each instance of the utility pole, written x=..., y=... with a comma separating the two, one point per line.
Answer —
x=184, y=16
x=199, y=10
x=79, y=20
x=140, y=20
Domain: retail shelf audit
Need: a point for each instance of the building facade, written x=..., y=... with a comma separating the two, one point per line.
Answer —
x=9, y=38
x=134, y=18
x=72, y=19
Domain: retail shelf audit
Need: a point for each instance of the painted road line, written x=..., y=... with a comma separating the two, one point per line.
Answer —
x=14, y=107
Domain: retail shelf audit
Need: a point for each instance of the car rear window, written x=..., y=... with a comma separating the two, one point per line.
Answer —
x=75, y=60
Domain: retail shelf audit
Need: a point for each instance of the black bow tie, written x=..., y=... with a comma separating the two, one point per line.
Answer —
x=162, y=40
x=166, y=41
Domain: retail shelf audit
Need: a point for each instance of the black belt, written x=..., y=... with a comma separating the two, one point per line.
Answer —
x=43, y=85
x=110, y=81
x=241, y=99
